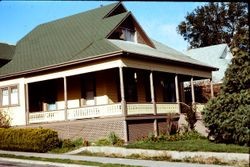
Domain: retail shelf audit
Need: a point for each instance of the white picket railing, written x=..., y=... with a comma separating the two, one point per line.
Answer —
x=94, y=111
x=48, y=116
x=135, y=108
x=164, y=108
x=102, y=111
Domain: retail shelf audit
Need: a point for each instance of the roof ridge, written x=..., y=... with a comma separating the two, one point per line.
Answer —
x=208, y=46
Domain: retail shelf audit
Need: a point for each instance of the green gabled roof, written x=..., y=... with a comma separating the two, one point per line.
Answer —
x=6, y=51
x=75, y=37
x=80, y=37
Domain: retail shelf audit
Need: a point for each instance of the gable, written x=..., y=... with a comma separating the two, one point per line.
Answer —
x=130, y=30
x=118, y=9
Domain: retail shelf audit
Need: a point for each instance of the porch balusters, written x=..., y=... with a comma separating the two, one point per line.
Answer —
x=192, y=90
x=65, y=98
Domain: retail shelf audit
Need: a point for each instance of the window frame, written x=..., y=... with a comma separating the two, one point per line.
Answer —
x=9, y=88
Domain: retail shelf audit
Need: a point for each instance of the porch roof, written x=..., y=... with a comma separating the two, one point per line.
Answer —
x=162, y=51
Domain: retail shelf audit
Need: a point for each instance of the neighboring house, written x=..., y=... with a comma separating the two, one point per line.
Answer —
x=218, y=56
x=96, y=72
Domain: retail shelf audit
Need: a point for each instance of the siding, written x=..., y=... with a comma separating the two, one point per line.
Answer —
x=106, y=84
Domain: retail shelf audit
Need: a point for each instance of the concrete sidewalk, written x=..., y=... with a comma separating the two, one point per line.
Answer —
x=31, y=163
x=133, y=162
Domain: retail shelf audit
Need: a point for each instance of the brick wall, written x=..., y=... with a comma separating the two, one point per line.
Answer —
x=87, y=129
x=139, y=128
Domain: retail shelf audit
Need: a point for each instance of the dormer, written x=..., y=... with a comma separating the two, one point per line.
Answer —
x=130, y=30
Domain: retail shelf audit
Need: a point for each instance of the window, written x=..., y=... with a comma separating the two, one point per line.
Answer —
x=5, y=97
x=14, y=95
x=129, y=35
x=9, y=96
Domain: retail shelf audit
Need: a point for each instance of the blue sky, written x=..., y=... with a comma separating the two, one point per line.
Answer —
x=158, y=19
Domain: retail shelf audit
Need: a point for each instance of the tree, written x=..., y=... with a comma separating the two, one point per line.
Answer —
x=227, y=116
x=215, y=23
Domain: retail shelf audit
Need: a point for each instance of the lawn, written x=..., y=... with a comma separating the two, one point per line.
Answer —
x=190, y=145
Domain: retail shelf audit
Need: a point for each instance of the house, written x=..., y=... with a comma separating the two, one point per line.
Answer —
x=218, y=56
x=95, y=72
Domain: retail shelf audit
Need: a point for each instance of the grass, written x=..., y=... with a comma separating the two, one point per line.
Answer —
x=66, y=161
x=197, y=159
x=190, y=145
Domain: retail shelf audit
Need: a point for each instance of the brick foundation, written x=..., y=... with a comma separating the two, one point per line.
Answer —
x=92, y=130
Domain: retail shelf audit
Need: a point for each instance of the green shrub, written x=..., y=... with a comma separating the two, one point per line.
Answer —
x=67, y=143
x=190, y=135
x=102, y=142
x=29, y=139
x=4, y=120
x=227, y=117
x=112, y=139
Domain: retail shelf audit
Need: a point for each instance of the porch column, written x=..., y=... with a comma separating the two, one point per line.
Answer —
x=177, y=92
x=211, y=88
x=177, y=89
x=123, y=104
x=26, y=88
x=192, y=90
x=151, y=78
x=152, y=91
x=123, y=101
x=65, y=98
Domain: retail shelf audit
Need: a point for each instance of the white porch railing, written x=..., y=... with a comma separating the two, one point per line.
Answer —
x=95, y=111
x=164, y=108
x=135, y=108
x=102, y=111
x=48, y=116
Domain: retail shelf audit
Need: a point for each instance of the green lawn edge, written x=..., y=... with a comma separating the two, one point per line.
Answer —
x=203, y=145
x=65, y=161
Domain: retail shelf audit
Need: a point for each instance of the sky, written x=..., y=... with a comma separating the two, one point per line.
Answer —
x=158, y=19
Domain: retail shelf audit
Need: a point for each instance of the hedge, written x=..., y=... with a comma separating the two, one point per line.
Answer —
x=28, y=139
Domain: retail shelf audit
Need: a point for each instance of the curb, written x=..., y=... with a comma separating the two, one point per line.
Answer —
x=157, y=153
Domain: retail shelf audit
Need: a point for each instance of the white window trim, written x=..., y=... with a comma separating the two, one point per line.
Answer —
x=9, y=87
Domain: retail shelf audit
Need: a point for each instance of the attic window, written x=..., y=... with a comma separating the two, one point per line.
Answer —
x=125, y=34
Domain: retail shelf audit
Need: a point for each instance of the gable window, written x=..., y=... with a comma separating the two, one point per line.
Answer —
x=125, y=34
x=9, y=96
x=128, y=34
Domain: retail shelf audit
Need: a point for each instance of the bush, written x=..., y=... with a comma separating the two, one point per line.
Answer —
x=4, y=120
x=29, y=139
x=227, y=117
x=190, y=135
x=112, y=139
